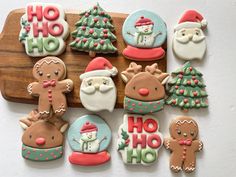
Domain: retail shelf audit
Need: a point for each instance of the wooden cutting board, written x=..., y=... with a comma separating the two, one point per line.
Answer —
x=16, y=66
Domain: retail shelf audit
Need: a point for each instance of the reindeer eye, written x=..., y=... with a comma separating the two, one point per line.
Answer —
x=52, y=137
x=192, y=133
x=134, y=88
x=40, y=73
x=56, y=72
x=179, y=132
x=30, y=136
x=155, y=88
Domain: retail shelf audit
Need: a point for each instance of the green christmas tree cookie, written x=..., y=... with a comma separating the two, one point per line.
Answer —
x=186, y=89
x=93, y=32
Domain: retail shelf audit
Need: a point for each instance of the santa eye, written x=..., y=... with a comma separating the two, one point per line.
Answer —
x=179, y=132
x=192, y=133
x=53, y=137
x=89, y=83
x=40, y=73
x=56, y=72
x=105, y=82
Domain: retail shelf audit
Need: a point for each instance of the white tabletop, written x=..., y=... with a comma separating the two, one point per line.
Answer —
x=217, y=123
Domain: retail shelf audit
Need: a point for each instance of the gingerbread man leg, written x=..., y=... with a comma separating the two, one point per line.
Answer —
x=189, y=163
x=176, y=162
x=59, y=106
x=44, y=108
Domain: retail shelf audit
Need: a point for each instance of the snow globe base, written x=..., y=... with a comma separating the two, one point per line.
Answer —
x=143, y=54
x=88, y=159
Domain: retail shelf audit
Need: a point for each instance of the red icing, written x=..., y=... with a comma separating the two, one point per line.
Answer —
x=187, y=142
x=40, y=141
x=139, y=140
x=150, y=125
x=195, y=93
x=51, y=16
x=98, y=63
x=190, y=68
x=95, y=44
x=83, y=28
x=95, y=19
x=191, y=16
x=143, y=21
x=105, y=31
x=105, y=20
x=105, y=35
x=176, y=86
x=197, y=101
x=59, y=28
x=84, y=40
x=86, y=159
x=91, y=31
x=49, y=83
x=181, y=91
x=143, y=91
x=196, y=81
x=43, y=29
x=185, y=100
x=102, y=42
x=141, y=54
x=154, y=141
x=188, y=82
x=174, y=101
x=132, y=124
x=37, y=13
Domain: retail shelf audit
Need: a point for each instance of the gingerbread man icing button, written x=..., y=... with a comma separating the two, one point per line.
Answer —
x=42, y=139
x=183, y=144
x=145, y=33
x=43, y=29
x=51, y=86
x=139, y=139
x=189, y=40
x=97, y=90
x=144, y=90
x=89, y=137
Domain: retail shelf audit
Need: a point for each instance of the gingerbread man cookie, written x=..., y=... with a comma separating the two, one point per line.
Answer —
x=51, y=86
x=183, y=144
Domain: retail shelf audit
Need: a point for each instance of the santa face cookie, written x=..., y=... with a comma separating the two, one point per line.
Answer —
x=189, y=40
x=89, y=137
x=144, y=32
x=183, y=144
x=51, y=86
x=94, y=32
x=139, y=139
x=43, y=29
x=144, y=91
x=97, y=90
x=42, y=139
x=186, y=89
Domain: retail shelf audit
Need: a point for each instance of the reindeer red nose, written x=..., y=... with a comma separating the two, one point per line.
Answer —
x=40, y=141
x=143, y=91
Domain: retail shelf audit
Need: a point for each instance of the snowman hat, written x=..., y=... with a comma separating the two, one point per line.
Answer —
x=143, y=21
x=88, y=127
x=99, y=67
x=191, y=19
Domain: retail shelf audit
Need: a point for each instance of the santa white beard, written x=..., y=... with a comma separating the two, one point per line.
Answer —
x=189, y=49
x=98, y=99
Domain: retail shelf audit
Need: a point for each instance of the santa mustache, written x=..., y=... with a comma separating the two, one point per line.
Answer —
x=92, y=89
x=186, y=39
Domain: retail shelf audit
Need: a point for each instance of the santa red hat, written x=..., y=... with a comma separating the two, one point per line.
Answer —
x=99, y=67
x=88, y=127
x=143, y=21
x=191, y=19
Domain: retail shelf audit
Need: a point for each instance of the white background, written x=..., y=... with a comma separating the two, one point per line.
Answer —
x=217, y=124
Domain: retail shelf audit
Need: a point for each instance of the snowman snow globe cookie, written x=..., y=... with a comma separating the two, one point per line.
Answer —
x=145, y=33
x=89, y=137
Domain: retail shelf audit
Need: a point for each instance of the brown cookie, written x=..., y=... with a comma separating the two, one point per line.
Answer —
x=51, y=86
x=183, y=144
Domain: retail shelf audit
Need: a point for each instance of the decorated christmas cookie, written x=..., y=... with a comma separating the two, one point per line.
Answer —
x=144, y=32
x=186, y=89
x=144, y=91
x=189, y=40
x=89, y=137
x=94, y=32
x=43, y=29
x=97, y=90
x=139, y=139
x=51, y=86
x=183, y=144
x=42, y=139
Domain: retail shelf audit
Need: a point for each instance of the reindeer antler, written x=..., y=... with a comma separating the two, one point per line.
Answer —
x=153, y=69
x=132, y=70
x=32, y=117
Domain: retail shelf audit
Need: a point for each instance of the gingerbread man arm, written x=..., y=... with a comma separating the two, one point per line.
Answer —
x=170, y=143
x=197, y=145
x=66, y=85
x=34, y=88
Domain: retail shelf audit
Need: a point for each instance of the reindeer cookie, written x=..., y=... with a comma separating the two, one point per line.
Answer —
x=183, y=144
x=42, y=139
x=144, y=91
x=51, y=86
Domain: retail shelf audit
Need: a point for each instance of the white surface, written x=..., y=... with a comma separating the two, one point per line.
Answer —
x=217, y=124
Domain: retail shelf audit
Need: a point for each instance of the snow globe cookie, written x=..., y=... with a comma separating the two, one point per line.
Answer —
x=42, y=139
x=189, y=40
x=144, y=33
x=94, y=32
x=97, y=90
x=89, y=137
x=139, y=139
x=43, y=29
x=144, y=90
x=186, y=89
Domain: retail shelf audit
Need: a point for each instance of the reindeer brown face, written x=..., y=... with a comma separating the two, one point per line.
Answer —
x=144, y=86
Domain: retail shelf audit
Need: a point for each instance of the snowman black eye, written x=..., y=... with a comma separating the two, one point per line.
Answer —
x=56, y=72
x=40, y=73
x=179, y=132
x=192, y=133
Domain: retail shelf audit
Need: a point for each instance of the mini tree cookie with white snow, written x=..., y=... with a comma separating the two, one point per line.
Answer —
x=139, y=139
x=189, y=40
x=43, y=29
x=97, y=90
x=89, y=136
